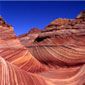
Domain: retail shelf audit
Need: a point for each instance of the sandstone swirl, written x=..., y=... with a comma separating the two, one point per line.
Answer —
x=53, y=56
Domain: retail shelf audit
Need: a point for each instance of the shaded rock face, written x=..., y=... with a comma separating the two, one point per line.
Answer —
x=53, y=56
x=81, y=15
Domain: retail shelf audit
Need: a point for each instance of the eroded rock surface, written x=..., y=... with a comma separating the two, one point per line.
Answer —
x=53, y=56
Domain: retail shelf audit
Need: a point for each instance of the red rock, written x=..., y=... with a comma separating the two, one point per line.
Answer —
x=53, y=56
x=13, y=51
x=29, y=37
x=13, y=75
x=81, y=15
x=34, y=30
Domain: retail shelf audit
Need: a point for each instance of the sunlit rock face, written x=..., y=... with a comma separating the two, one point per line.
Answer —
x=53, y=56
x=13, y=75
x=13, y=51
x=7, y=34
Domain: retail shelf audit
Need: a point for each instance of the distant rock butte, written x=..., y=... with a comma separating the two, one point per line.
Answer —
x=28, y=38
x=52, y=56
x=34, y=30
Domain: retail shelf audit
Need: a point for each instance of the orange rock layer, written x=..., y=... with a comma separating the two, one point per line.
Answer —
x=54, y=56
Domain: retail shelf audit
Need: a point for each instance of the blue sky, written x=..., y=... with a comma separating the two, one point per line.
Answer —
x=24, y=15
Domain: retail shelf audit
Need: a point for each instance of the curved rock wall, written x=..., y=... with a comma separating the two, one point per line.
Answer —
x=53, y=56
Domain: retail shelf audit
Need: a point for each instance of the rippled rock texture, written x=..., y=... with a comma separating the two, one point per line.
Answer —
x=53, y=56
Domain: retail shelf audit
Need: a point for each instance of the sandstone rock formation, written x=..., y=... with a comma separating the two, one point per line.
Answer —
x=53, y=56
x=29, y=37
x=13, y=51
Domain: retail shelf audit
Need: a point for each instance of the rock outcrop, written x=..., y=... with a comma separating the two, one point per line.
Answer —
x=28, y=38
x=13, y=51
x=81, y=15
x=53, y=56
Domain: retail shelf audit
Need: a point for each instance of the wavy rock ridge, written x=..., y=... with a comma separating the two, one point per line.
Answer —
x=53, y=56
